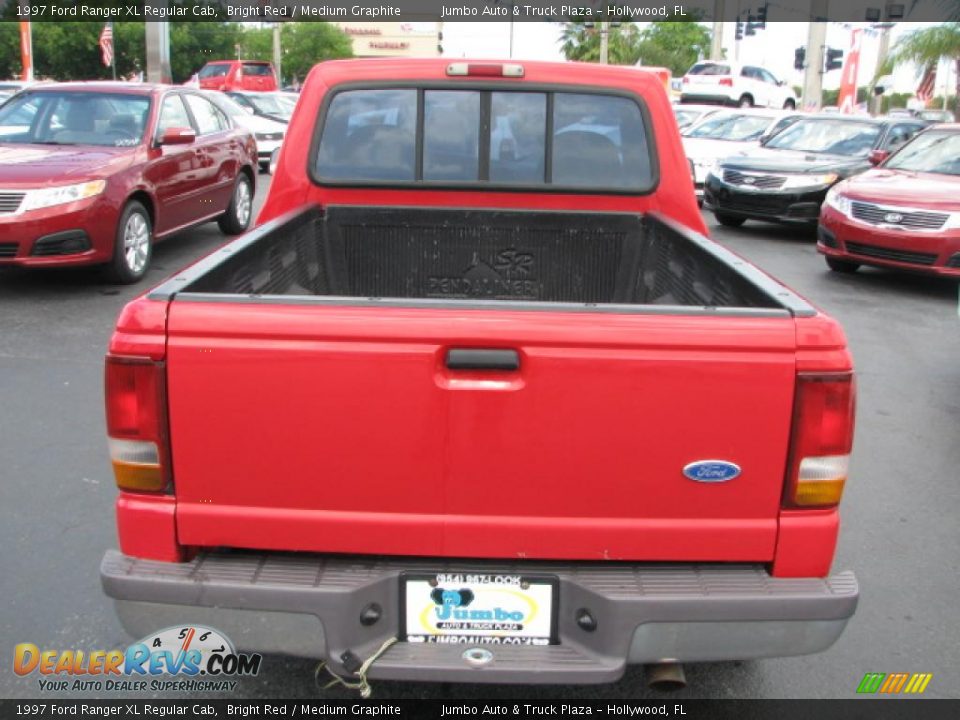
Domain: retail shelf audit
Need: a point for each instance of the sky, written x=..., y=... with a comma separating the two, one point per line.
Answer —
x=772, y=48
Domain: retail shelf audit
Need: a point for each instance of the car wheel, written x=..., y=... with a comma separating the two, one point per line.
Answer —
x=745, y=101
x=842, y=266
x=729, y=220
x=133, y=245
x=790, y=104
x=237, y=217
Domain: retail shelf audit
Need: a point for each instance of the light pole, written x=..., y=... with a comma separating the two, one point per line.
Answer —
x=277, y=55
x=604, y=41
x=716, y=41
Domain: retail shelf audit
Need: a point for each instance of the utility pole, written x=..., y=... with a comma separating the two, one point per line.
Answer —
x=158, y=52
x=716, y=40
x=876, y=102
x=816, y=39
x=604, y=41
x=277, y=55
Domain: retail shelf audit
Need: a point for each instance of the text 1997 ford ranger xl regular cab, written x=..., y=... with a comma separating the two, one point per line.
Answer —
x=478, y=382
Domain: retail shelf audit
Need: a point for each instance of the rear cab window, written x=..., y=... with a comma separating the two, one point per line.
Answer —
x=257, y=69
x=466, y=137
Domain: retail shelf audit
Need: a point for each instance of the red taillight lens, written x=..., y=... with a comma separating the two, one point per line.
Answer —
x=511, y=70
x=136, y=423
x=822, y=437
x=686, y=80
x=726, y=82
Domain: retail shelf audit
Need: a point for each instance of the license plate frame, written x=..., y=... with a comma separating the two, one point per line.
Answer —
x=517, y=590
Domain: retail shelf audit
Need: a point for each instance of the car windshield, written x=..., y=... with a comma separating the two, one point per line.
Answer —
x=931, y=152
x=732, y=126
x=228, y=105
x=686, y=117
x=74, y=118
x=709, y=69
x=219, y=70
x=270, y=105
x=832, y=137
x=257, y=69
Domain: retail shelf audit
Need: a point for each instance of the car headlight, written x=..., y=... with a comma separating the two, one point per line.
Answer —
x=797, y=182
x=839, y=202
x=716, y=170
x=953, y=222
x=62, y=194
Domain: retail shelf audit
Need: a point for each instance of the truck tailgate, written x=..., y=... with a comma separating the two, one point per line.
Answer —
x=342, y=429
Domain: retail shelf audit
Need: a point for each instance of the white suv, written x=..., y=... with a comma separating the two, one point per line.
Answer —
x=727, y=83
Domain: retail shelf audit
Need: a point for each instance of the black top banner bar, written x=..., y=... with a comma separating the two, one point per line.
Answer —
x=471, y=10
x=891, y=709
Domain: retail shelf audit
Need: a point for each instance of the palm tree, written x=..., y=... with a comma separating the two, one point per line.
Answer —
x=581, y=41
x=927, y=47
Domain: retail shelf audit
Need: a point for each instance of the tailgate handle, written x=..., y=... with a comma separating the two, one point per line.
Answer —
x=471, y=359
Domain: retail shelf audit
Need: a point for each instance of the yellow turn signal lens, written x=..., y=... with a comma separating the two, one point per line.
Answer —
x=821, y=480
x=136, y=465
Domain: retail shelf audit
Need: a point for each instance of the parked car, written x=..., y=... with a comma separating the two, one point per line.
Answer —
x=423, y=386
x=787, y=178
x=936, y=116
x=268, y=133
x=904, y=214
x=688, y=115
x=726, y=132
x=270, y=105
x=98, y=172
x=227, y=75
x=730, y=83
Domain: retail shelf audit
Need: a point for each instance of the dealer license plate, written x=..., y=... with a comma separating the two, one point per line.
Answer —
x=478, y=608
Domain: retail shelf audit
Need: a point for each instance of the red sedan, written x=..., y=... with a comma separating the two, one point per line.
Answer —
x=95, y=173
x=904, y=214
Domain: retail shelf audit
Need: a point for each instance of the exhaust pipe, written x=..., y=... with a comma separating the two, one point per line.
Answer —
x=665, y=677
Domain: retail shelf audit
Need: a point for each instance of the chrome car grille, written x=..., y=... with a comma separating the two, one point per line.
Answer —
x=763, y=182
x=912, y=219
x=10, y=201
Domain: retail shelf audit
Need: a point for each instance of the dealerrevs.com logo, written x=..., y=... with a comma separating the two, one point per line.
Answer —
x=187, y=658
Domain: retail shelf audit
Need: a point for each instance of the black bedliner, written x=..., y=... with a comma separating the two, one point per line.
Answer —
x=482, y=255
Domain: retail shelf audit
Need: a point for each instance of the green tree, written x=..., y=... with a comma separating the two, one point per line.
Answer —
x=10, y=60
x=307, y=43
x=674, y=44
x=926, y=47
x=194, y=44
x=581, y=41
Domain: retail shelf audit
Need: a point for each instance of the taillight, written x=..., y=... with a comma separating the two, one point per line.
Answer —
x=137, y=423
x=686, y=80
x=726, y=82
x=822, y=437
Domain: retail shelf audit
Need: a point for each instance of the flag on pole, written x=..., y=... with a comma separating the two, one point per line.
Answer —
x=927, y=84
x=26, y=51
x=106, y=44
x=847, y=98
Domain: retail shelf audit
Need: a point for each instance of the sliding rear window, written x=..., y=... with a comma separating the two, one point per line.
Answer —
x=455, y=137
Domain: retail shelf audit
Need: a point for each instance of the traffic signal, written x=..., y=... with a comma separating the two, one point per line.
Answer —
x=739, y=33
x=834, y=59
x=751, y=26
x=762, y=17
x=799, y=58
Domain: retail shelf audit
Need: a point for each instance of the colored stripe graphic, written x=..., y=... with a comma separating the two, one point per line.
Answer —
x=871, y=682
x=893, y=683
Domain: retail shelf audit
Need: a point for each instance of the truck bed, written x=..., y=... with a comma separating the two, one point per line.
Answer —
x=592, y=261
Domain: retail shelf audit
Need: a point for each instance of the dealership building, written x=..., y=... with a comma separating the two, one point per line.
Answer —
x=394, y=39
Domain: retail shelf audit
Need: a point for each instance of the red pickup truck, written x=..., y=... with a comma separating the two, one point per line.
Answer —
x=479, y=383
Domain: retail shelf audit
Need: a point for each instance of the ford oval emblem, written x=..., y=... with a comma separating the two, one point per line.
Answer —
x=711, y=471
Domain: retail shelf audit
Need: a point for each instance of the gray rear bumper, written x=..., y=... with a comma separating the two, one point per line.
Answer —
x=310, y=605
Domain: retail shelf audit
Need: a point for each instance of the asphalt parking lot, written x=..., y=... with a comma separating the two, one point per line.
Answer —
x=900, y=514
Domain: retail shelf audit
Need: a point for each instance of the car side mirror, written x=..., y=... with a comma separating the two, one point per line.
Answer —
x=178, y=136
x=878, y=156
x=781, y=83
